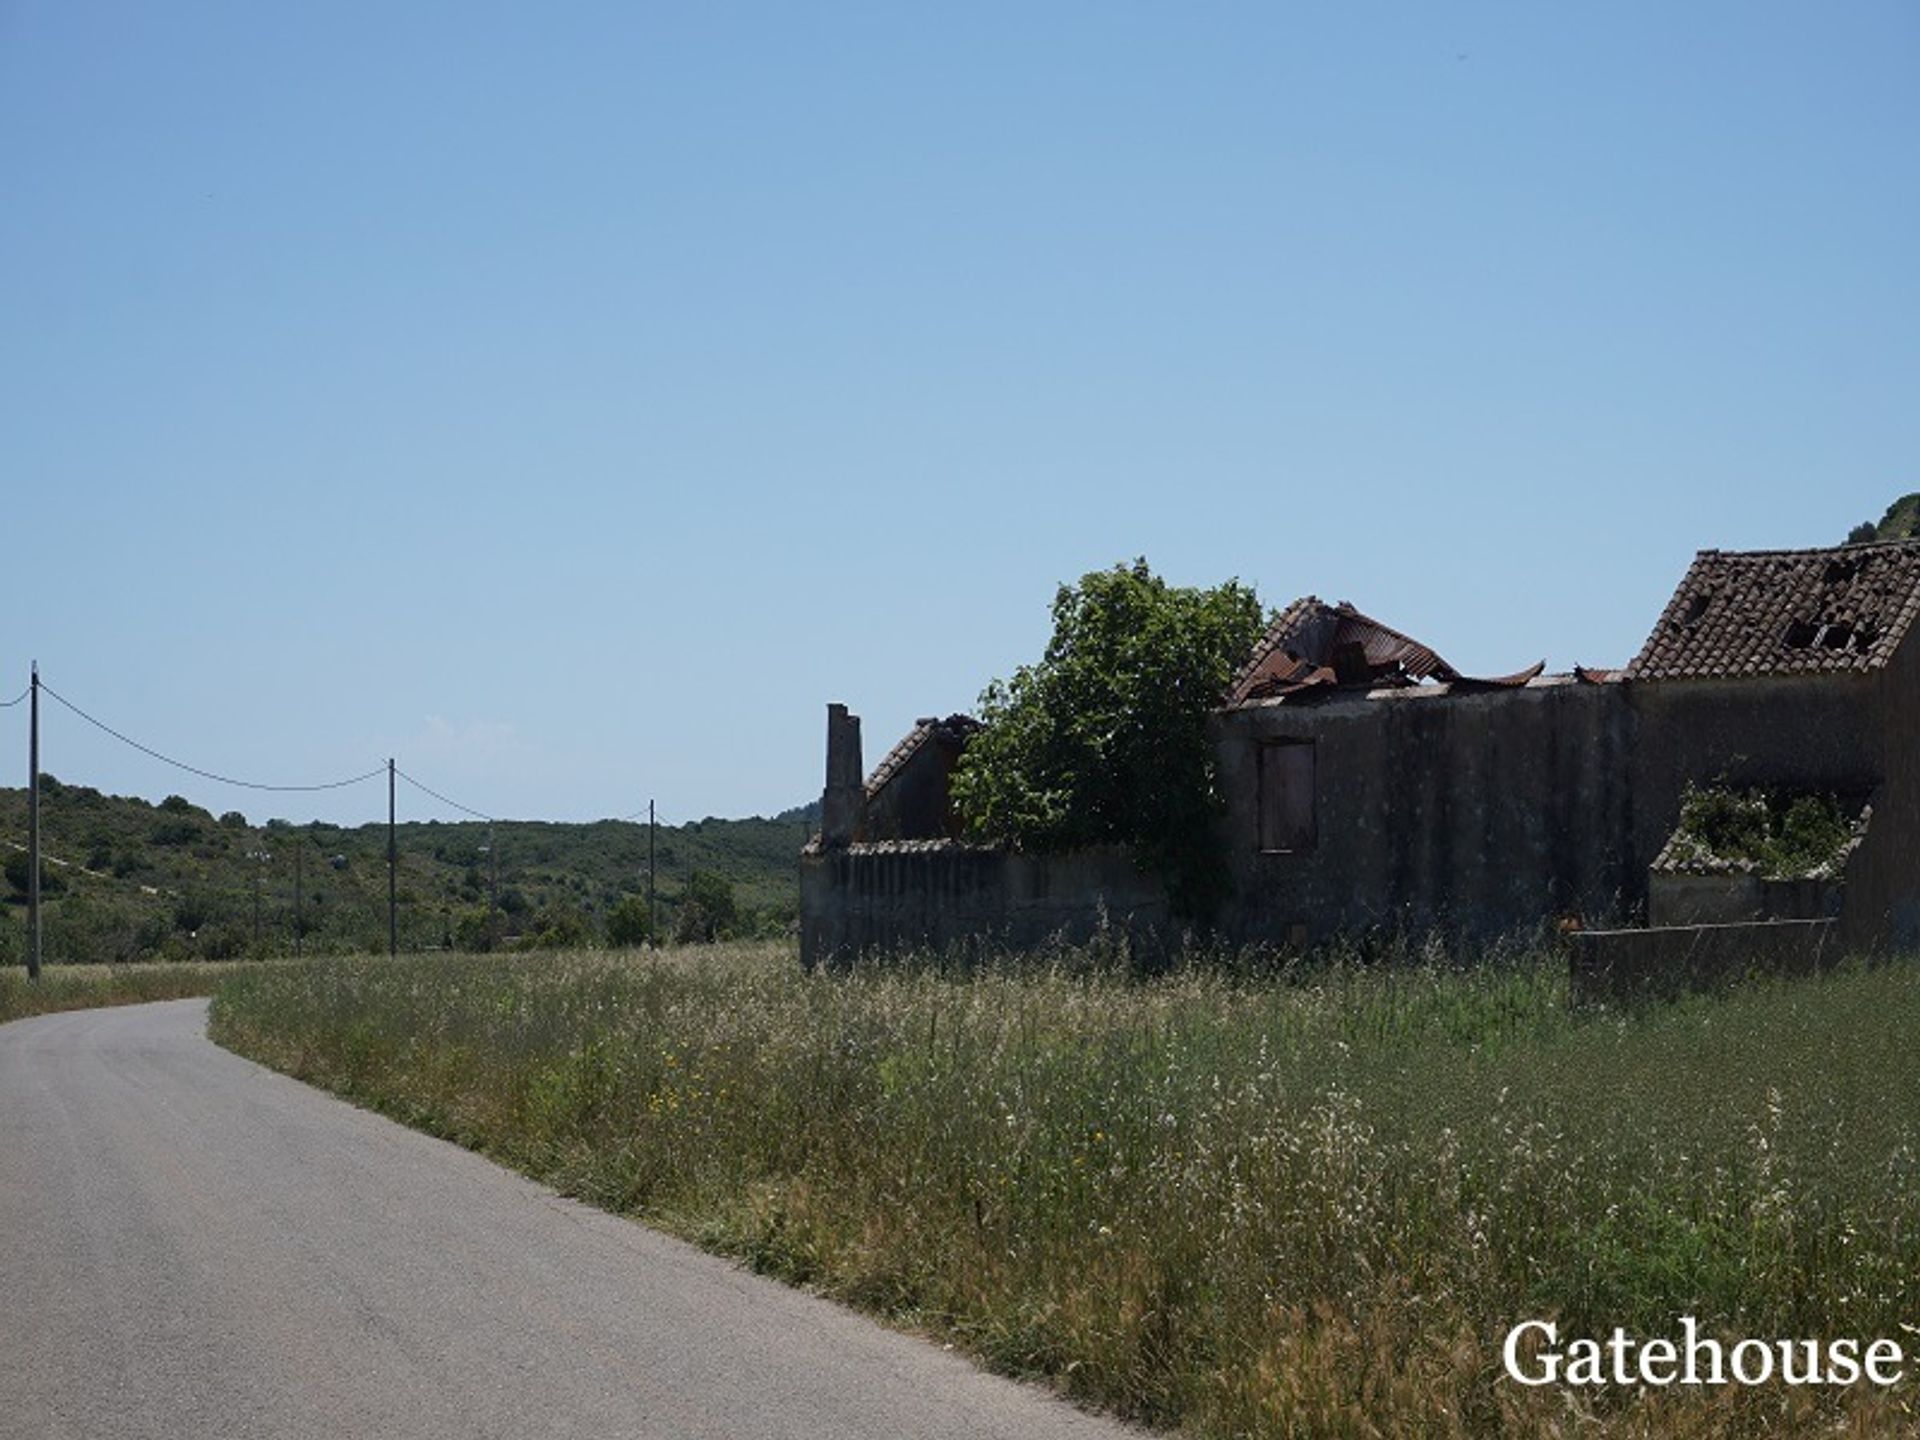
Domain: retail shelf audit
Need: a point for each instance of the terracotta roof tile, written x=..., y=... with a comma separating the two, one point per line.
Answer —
x=1785, y=612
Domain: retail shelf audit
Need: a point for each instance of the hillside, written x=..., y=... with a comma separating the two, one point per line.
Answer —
x=1901, y=522
x=128, y=880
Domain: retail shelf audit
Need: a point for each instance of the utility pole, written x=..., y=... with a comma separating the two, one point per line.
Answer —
x=393, y=871
x=33, y=830
x=653, y=915
x=493, y=888
x=259, y=858
x=299, y=915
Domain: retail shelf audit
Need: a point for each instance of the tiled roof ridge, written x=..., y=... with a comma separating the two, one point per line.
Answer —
x=1797, y=552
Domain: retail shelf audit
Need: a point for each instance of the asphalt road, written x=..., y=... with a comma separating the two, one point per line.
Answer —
x=193, y=1246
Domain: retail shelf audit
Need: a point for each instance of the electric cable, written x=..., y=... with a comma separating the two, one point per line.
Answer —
x=468, y=809
x=195, y=769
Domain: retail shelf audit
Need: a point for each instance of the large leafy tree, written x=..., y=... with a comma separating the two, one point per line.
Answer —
x=1104, y=741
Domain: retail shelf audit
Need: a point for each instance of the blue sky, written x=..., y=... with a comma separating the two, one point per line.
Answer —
x=572, y=399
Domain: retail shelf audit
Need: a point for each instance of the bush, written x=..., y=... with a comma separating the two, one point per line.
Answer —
x=707, y=910
x=630, y=922
x=1784, y=836
x=20, y=875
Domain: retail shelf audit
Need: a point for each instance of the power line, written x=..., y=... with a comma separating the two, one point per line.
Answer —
x=195, y=769
x=9, y=704
x=468, y=809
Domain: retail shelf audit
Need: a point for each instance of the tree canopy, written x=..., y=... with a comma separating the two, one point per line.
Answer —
x=1104, y=740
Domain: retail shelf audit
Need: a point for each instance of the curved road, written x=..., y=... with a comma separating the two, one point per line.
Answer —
x=191, y=1245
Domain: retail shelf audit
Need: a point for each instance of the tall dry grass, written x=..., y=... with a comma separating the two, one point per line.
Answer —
x=80, y=987
x=1255, y=1204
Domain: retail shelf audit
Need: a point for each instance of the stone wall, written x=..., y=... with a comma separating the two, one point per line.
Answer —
x=941, y=896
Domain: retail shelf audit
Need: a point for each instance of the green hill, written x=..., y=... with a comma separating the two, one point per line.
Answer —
x=127, y=880
x=1901, y=522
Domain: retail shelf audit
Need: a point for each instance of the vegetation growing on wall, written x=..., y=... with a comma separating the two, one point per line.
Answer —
x=1781, y=836
x=1103, y=741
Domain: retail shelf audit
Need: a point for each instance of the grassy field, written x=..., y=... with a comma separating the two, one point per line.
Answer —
x=1307, y=1204
x=80, y=987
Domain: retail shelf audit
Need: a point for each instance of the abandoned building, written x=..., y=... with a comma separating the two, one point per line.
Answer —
x=1372, y=789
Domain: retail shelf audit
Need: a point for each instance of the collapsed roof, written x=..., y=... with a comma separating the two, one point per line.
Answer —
x=1785, y=612
x=1315, y=647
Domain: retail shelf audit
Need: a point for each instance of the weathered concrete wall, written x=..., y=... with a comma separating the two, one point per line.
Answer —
x=1802, y=732
x=1882, y=909
x=939, y=896
x=1684, y=899
x=1472, y=814
x=1607, y=964
x=1481, y=813
x=913, y=804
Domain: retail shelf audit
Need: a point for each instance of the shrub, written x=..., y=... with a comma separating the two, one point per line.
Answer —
x=707, y=910
x=630, y=922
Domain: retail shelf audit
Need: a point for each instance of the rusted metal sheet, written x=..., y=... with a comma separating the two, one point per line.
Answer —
x=1314, y=645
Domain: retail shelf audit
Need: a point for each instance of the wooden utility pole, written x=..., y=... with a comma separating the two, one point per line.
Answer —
x=259, y=858
x=393, y=871
x=653, y=915
x=33, y=829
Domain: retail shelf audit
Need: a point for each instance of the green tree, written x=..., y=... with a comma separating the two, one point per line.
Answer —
x=630, y=922
x=708, y=910
x=1104, y=741
x=19, y=870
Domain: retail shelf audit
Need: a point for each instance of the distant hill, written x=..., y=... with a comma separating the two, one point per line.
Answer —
x=126, y=879
x=1901, y=522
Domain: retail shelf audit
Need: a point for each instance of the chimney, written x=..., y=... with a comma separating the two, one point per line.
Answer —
x=843, y=804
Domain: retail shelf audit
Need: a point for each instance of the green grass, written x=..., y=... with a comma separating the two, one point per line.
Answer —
x=81, y=987
x=1308, y=1204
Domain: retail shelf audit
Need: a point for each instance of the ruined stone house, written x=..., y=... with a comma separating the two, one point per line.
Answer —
x=1372, y=789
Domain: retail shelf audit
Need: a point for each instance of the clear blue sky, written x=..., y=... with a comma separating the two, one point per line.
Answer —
x=572, y=399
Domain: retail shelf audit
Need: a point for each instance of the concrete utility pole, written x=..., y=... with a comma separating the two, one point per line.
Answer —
x=299, y=915
x=653, y=915
x=33, y=829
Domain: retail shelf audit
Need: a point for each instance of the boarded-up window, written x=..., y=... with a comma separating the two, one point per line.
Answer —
x=1286, y=796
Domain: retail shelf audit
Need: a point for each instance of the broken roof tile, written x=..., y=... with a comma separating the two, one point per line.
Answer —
x=1785, y=612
